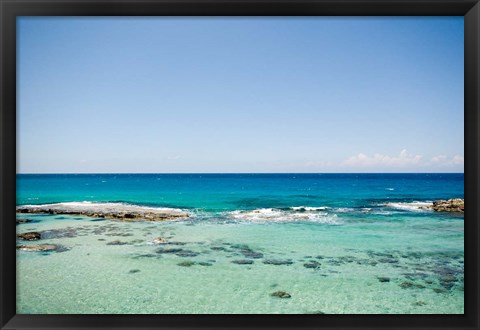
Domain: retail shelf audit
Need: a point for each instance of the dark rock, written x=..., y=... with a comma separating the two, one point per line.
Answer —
x=419, y=303
x=186, y=263
x=447, y=285
x=175, y=243
x=205, y=264
x=187, y=253
x=242, y=262
x=277, y=262
x=313, y=264
x=383, y=279
x=19, y=221
x=251, y=254
x=406, y=285
x=218, y=248
x=388, y=261
x=439, y=290
x=116, y=243
x=133, y=271
x=335, y=262
x=240, y=246
x=31, y=236
x=146, y=255
x=448, y=278
x=165, y=250
x=281, y=294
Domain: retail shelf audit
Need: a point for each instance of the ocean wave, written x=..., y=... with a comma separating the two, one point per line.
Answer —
x=99, y=206
x=308, y=208
x=293, y=214
x=409, y=206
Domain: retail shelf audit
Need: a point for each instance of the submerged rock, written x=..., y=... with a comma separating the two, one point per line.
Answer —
x=41, y=247
x=409, y=285
x=187, y=253
x=281, y=294
x=406, y=285
x=19, y=221
x=186, y=263
x=116, y=243
x=165, y=250
x=312, y=264
x=242, y=262
x=383, y=279
x=30, y=236
x=133, y=271
x=218, y=248
x=251, y=254
x=277, y=262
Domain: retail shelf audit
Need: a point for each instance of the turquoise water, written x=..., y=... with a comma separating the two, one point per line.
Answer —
x=336, y=243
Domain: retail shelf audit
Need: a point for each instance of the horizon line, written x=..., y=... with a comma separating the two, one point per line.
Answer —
x=66, y=173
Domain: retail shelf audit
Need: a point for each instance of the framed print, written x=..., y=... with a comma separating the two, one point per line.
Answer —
x=222, y=164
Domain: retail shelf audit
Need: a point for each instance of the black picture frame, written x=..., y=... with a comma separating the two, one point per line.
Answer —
x=10, y=9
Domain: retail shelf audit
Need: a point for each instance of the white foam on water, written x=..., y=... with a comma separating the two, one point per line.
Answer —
x=87, y=206
x=412, y=206
x=308, y=208
x=291, y=215
x=344, y=209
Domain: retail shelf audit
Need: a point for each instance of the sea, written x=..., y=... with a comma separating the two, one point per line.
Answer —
x=252, y=244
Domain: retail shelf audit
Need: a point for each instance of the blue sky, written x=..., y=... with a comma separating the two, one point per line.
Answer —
x=318, y=94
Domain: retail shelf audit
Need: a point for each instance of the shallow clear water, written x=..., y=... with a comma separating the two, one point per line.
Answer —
x=358, y=245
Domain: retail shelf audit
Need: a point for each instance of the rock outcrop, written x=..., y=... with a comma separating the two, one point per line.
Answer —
x=451, y=205
x=31, y=236
x=106, y=210
x=37, y=247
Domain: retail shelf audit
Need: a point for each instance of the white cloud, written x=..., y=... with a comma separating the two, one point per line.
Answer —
x=444, y=160
x=403, y=159
x=457, y=159
x=439, y=159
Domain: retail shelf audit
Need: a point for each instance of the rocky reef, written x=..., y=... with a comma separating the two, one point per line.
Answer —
x=450, y=205
x=42, y=247
x=30, y=236
x=106, y=210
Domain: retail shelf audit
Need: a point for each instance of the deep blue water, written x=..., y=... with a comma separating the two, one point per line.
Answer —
x=217, y=192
